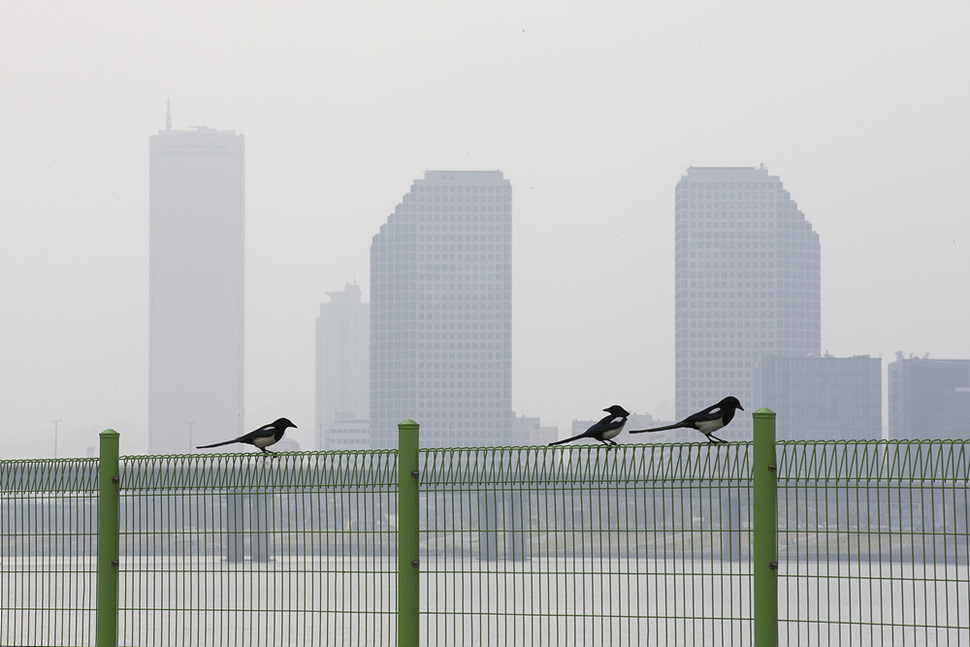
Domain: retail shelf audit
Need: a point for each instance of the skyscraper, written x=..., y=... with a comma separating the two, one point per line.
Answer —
x=747, y=284
x=441, y=312
x=196, y=223
x=343, y=366
x=929, y=398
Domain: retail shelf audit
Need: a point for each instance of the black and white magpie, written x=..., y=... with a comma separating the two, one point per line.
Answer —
x=606, y=429
x=260, y=438
x=707, y=421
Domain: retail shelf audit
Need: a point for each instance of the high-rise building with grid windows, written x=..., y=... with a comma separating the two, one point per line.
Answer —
x=747, y=284
x=822, y=398
x=928, y=398
x=441, y=312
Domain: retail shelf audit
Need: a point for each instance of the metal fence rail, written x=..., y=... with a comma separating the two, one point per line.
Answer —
x=674, y=544
x=874, y=540
x=48, y=544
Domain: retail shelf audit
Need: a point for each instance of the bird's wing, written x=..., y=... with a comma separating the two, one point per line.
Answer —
x=262, y=432
x=713, y=412
x=608, y=423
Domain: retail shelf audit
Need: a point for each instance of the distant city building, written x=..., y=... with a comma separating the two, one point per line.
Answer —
x=822, y=398
x=747, y=284
x=346, y=432
x=929, y=398
x=441, y=312
x=196, y=242
x=342, y=370
x=529, y=431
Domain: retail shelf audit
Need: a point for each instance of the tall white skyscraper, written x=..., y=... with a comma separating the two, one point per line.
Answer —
x=441, y=312
x=196, y=288
x=343, y=368
x=747, y=284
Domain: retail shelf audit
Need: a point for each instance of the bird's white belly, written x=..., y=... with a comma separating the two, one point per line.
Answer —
x=710, y=426
x=264, y=441
x=612, y=433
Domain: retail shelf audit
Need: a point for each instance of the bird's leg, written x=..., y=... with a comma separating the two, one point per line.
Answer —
x=716, y=438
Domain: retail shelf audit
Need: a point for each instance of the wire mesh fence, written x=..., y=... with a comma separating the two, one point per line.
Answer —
x=575, y=545
x=874, y=540
x=292, y=549
x=48, y=544
x=635, y=545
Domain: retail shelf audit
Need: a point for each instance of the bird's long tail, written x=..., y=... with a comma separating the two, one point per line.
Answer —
x=225, y=442
x=643, y=431
x=560, y=442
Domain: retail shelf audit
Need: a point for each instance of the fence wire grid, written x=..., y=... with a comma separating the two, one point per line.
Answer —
x=288, y=549
x=873, y=542
x=576, y=545
x=637, y=544
x=48, y=551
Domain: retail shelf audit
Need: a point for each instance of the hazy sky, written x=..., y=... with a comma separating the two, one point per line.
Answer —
x=592, y=110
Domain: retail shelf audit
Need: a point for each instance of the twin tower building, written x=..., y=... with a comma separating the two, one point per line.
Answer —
x=435, y=342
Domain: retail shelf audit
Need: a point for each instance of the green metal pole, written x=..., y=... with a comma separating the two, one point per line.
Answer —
x=765, y=530
x=106, y=627
x=408, y=582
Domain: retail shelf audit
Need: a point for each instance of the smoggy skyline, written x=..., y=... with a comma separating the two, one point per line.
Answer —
x=592, y=111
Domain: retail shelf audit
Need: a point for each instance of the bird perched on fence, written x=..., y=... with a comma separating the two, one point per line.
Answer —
x=260, y=438
x=606, y=429
x=707, y=421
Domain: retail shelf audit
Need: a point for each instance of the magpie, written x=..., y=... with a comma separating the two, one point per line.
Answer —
x=707, y=421
x=606, y=429
x=260, y=438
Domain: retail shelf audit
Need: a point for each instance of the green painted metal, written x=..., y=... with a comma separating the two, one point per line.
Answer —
x=408, y=544
x=106, y=630
x=764, y=518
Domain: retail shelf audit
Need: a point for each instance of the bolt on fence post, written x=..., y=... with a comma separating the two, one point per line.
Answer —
x=765, y=529
x=408, y=511
x=106, y=625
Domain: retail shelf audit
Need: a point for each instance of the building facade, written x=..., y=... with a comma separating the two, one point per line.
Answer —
x=342, y=371
x=441, y=312
x=822, y=398
x=929, y=398
x=747, y=284
x=196, y=241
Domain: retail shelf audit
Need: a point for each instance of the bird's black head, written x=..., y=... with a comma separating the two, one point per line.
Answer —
x=617, y=410
x=732, y=402
x=284, y=423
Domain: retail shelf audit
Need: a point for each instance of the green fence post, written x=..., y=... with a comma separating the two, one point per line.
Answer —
x=765, y=530
x=106, y=626
x=408, y=582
